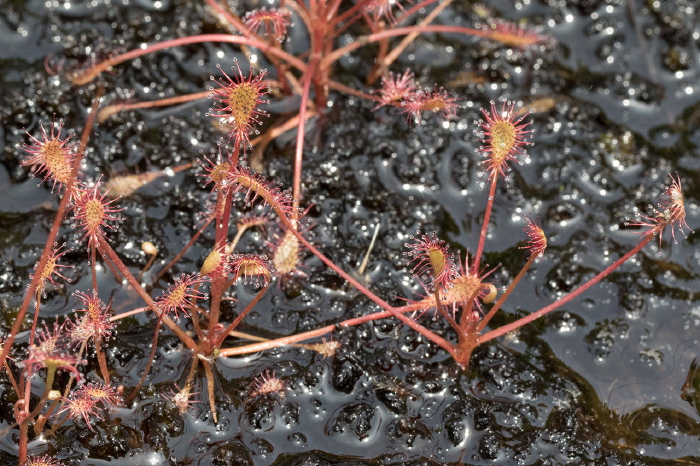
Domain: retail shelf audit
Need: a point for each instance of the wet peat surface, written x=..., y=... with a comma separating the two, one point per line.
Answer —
x=610, y=378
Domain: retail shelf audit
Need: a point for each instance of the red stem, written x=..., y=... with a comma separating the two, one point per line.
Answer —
x=364, y=40
x=58, y=219
x=23, y=434
x=184, y=250
x=93, y=268
x=269, y=344
x=88, y=75
x=406, y=41
x=220, y=339
x=101, y=359
x=414, y=9
x=356, y=9
x=115, y=108
x=445, y=315
x=37, y=307
x=560, y=302
x=447, y=346
x=222, y=223
x=299, y=151
x=133, y=312
x=232, y=20
x=147, y=369
x=105, y=248
x=492, y=312
x=485, y=225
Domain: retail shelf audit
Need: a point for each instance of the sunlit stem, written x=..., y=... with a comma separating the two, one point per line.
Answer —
x=280, y=67
x=210, y=388
x=560, y=302
x=42, y=418
x=406, y=41
x=230, y=247
x=390, y=311
x=233, y=20
x=133, y=312
x=262, y=141
x=249, y=337
x=300, y=9
x=101, y=359
x=299, y=151
x=313, y=8
x=492, y=312
x=50, y=375
x=266, y=344
x=223, y=217
x=59, y=402
x=57, y=426
x=37, y=306
x=192, y=372
x=194, y=315
x=417, y=8
x=116, y=108
x=57, y=405
x=365, y=260
x=485, y=224
x=378, y=69
x=12, y=378
x=276, y=131
x=71, y=379
x=467, y=309
x=148, y=265
x=289, y=340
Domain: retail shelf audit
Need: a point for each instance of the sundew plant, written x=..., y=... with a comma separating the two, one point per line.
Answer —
x=327, y=230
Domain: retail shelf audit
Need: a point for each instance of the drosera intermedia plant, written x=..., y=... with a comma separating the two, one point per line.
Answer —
x=190, y=304
x=467, y=294
x=460, y=293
